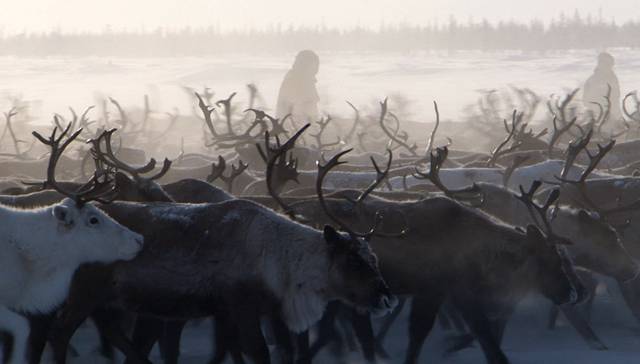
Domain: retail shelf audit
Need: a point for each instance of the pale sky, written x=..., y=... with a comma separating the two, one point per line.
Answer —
x=94, y=15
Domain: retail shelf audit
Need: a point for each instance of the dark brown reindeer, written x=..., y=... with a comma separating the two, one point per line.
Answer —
x=447, y=226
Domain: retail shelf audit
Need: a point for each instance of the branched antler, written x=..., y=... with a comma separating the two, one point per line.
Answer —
x=356, y=122
x=226, y=105
x=271, y=155
x=322, y=173
x=500, y=150
x=110, y=159
x=94, y=190
x=472, y=193
x=557, y=133
x=383, y=114
x=8, y=127
x=381, y=176
x=124, y=118
x=217, y=172
x=206, y=113
x=323, y=123
x=580, y=184
x=435, y=129
x=560, y=108
x=217, y=169
x=539, y=214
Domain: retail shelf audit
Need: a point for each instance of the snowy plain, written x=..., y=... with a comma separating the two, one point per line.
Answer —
x=417, y=78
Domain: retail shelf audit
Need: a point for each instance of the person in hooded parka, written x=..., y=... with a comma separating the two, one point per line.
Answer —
x=596, y=87
x=298, y=95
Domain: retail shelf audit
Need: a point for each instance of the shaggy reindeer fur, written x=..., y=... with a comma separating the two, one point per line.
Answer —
x=42, y=248
x=293, y=269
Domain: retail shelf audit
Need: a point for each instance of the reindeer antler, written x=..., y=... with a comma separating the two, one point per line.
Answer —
x=383, y=114
x=516, y=119
x=323, y=170
x=472, y=193
x=271, y=155
x=558, y=132
x=235, y=172
x=380, y=177
x=580, y=184
x=217, y=169
x=110, y=159
x=94, y=190
x=539, y=213
x=323, y=123
x=573, y=151
x=634, y=115
x=226, y=104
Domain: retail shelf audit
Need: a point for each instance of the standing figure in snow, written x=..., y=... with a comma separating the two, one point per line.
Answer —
x=298, y=95
x=596, y=87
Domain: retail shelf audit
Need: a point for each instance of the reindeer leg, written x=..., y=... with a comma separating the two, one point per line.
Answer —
x=326, y=329
x=421, y=319
x=553, y=317
x=454, y=316
x=170, y=340
x=226, y=341
x=113, y=332
x=631, y=294
x=146, y=332
x=283, y=340
x=63, y=328
x=106, y=349
x=386, y=326
x=582, y=326
x=302, y=348
x=364, y=332
x=483, y=330
x=252, y=341
x=39, y=327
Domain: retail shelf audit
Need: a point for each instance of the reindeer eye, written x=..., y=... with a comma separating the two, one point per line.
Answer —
x=94, y=221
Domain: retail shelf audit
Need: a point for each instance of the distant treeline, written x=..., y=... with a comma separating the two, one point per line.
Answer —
x=573, y=32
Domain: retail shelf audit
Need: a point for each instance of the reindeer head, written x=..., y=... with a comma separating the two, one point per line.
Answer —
x=601, y=246
x=86, y=234
x=137, y=188
x=83, y=232
x=354, y=275
x=554, y=274
x=553, y=270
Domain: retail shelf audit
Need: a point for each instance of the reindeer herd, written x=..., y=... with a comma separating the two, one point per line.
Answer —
x=268, y=230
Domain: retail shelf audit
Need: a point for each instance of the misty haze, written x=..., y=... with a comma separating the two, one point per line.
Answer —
x=287, y=181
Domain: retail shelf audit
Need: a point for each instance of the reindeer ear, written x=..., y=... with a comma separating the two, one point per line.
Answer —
x=534, y=237
x=122, y=180
x=534, y=232
x=332, y=237
x=63, y=214
x=586, y=216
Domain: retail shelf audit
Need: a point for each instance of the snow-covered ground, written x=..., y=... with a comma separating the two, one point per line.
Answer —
x=419, y=77
x=527, y=341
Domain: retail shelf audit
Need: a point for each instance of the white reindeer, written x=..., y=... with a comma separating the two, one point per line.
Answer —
x=40, y=249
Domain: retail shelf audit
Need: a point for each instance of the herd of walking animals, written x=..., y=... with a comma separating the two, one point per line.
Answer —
x=273, y=234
